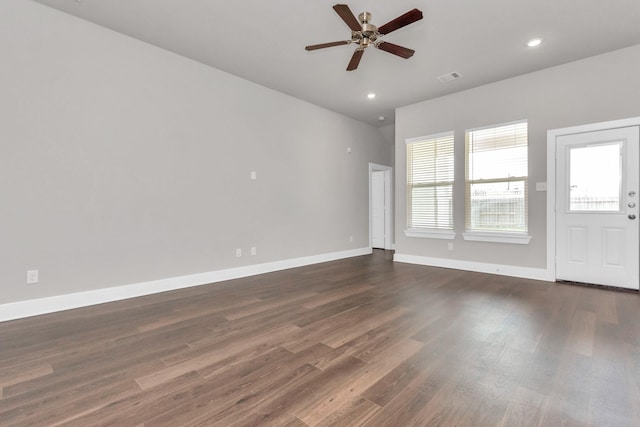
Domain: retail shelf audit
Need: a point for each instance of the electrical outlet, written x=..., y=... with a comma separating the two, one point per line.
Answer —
x=32, y=277
x=450, y=246
x=351, y=239
x=238, y=253
x=254, y=250
x=254, y=175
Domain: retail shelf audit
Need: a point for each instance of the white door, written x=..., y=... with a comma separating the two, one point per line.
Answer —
x=597, y=238
x=378, y=209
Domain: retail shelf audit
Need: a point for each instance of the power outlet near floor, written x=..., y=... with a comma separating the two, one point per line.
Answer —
x=32, y=277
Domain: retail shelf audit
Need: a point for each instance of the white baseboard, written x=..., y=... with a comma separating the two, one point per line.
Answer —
x=35, y=307
x=503, y=270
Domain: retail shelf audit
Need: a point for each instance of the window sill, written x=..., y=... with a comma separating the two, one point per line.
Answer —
x=430, y=234
x=495, y=237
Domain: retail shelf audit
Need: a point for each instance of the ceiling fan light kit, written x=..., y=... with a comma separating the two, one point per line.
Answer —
x=366, y=34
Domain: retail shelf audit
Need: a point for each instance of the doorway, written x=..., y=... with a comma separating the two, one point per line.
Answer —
x=380, y=202
x=595, y=202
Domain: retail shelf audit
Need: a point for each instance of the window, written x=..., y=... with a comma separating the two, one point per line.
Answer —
x=496, y=180
x=599, y=192
x=430, y=168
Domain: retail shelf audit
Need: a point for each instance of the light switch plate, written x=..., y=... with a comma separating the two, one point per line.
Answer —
x=32, y=277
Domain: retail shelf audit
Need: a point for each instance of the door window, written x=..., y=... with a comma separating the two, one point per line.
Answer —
x=595, y=178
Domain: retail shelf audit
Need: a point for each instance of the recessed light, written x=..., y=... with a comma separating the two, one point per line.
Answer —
x=534, y=42
x=371, y=95
x=381, y=118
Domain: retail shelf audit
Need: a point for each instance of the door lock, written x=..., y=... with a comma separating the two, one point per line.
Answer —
x=631, y=205
x=632, y=216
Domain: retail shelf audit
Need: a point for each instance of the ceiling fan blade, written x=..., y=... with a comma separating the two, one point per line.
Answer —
x=324, y=45
x=401, y=51
x=347, y=16
x=401, y=21
x=355, y=59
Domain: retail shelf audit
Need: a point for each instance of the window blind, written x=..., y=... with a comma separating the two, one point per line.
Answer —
x=430, y=176
x=496, y=178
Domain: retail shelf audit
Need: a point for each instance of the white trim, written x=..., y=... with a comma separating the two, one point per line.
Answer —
x=428, y=137
x=430, y=233
x=495, y=237
x=503, y=270
x=388, y=198
x=35, y=307
x=552, y=135
x=592, y=127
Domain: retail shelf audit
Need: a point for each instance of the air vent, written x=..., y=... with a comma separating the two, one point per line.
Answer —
x=448, y=77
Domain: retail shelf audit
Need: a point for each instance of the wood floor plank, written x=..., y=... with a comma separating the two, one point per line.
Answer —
x=48, y=387
x=136, y=407
x=184, y=314
x=202, y=361
x=524, y=409
x=336, y=295
x=401, y=410
x=23, y=375
x=335, y=323
x=351, y=413
x=394, y=382
x=347, y=333
x=362, y=341
x=484, y=412
x=315, y=412
x=297, y=395
x=212, y=406
x=225, y=335
x=262, y=306
x=582, y=333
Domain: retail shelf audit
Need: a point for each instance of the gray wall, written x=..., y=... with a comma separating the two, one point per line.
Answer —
x=123, y=163
x=601, y=88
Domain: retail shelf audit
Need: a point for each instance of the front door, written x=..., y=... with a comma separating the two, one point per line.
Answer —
x=597, y=202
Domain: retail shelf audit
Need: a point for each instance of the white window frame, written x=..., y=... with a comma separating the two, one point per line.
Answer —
x=495, y=236
x=431, y=232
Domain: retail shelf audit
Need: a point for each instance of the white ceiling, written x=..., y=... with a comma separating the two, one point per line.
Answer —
x=263, y=41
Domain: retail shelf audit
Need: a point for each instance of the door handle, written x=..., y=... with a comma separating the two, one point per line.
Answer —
x=632, y=216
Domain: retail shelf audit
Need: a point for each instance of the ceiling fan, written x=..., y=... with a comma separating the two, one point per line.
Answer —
x=366, y=34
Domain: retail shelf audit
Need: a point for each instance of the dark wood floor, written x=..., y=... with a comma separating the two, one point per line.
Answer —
x=362, y=341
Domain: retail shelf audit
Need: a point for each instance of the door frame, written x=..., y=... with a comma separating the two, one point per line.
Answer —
x=388, y=199
x=552, y=136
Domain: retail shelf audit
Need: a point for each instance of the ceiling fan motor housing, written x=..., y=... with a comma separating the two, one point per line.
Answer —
x=369, y=32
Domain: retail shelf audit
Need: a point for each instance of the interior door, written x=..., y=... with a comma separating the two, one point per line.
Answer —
x=378, y=209
x=597, y=202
